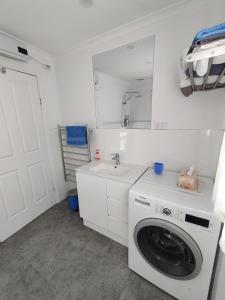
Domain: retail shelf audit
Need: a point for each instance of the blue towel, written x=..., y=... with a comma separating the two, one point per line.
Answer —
x=208, y=35
x=76, y=135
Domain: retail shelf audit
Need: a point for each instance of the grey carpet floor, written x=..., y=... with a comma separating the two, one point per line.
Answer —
x=57, y=257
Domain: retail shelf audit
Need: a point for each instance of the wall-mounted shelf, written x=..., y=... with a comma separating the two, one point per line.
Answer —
x=209, y=81
x=207, y=53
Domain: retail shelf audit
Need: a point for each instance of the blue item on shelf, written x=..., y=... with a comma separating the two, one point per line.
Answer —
x=208, y=35
x=158, y=168
x=73, y=203
x=215, y=31
x=76, y=135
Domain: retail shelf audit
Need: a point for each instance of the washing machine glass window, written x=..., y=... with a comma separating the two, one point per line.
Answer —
x=168, y=248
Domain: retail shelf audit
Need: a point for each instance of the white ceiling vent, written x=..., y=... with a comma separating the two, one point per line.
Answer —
x=12, y=48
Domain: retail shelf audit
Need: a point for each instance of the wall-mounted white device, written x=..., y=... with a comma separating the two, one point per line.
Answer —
x=13, y=48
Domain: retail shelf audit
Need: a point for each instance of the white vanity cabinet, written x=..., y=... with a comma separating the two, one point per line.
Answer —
x=104, y=205
x=103, y=191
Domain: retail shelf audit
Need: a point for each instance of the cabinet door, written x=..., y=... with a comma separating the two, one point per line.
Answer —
x=118, y=190
x=117, y=197
x=118, y=209
x=92, y=199
x=118, y=227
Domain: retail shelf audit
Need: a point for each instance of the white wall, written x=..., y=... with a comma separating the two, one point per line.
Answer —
x=175, y=148
x=51, y=108
x=173, y=34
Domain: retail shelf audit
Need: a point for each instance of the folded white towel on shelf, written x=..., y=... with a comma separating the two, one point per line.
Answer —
x=185, y=82
x=211, y=45
x=202, y=67
x=219, y=59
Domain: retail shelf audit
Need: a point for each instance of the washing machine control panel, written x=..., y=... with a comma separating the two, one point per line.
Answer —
x=183, y=215
x=166, y=211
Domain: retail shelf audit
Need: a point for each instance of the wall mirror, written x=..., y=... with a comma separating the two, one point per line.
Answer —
x=123, y=79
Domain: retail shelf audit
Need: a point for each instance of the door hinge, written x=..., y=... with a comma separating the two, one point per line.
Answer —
x=3, y=70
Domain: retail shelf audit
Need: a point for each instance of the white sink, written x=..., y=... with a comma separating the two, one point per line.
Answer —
x=107, y=169
x=110, y=169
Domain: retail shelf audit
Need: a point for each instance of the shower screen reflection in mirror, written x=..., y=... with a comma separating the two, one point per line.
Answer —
x=123, y=80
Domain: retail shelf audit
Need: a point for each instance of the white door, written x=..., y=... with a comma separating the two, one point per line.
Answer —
x=26, y=188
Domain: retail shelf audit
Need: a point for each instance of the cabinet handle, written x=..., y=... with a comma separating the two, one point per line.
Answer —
x=142, y=201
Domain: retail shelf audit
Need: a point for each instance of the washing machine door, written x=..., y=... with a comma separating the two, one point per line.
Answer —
x=168, y=248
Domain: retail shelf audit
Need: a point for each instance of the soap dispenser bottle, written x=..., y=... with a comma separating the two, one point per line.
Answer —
x=97, y=154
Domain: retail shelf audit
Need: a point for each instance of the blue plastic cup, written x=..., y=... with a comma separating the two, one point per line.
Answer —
x=158, y=168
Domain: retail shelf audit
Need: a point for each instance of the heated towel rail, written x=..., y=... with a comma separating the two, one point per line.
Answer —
x=73, y=157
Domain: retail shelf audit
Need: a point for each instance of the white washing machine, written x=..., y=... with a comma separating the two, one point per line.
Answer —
x=173, y=235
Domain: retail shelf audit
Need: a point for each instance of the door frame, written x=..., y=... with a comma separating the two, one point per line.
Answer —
x=35, y=69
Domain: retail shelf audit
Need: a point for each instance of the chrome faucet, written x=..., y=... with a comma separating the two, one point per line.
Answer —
x=116, y=158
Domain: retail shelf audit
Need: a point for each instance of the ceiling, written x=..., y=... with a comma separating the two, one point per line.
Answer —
x=130, y=62
x=58, y=25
